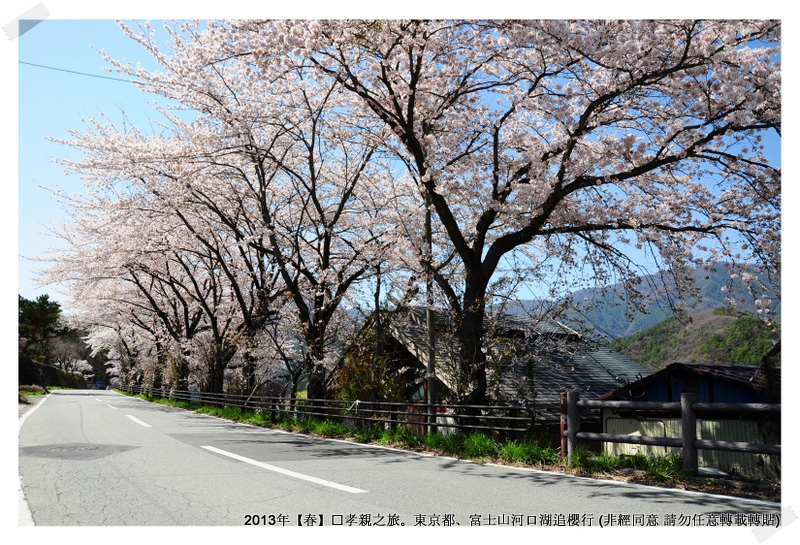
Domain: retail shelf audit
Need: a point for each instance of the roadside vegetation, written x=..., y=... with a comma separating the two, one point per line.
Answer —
x=33, y=390
x=30, y=390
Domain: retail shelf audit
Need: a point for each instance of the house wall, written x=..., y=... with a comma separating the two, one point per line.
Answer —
x=755, y=466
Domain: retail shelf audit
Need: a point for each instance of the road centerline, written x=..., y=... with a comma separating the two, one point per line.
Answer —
x=138, y=421
x=286, y=472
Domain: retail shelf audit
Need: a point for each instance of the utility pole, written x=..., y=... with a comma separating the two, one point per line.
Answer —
x=378, y=334
x=429, y=319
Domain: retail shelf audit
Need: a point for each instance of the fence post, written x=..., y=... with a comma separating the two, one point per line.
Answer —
x=563, y=421
x=689, y=434
x=431, y=416
x=573, y=423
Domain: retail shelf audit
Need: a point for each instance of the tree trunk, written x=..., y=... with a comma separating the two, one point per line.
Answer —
x=216, y=376
x=316, y=378
x=249, y=373
x=216, y=372
x=315, y=369
x=472, y=357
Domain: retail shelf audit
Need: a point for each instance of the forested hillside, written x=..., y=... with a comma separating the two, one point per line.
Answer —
x=712, y=336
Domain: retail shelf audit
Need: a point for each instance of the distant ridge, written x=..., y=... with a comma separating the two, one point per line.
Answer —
x=605, y=316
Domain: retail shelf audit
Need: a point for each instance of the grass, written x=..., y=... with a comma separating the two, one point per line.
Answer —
x=32, y=390
x=664, y=468
x=477, y=446
x=326, y=428
x=659, y=469
x=480, y=446
x=399, y=437
x=528, y=454
x=587, y=461
x=36, y=390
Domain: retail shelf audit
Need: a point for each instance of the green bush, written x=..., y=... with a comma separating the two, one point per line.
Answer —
x=657, y=468
x=480, y=445
x=403, y=436
x=326, y=428
x=369, y=434
x=515, y=452
x=587, y=461
x=518, y=452
x=433, y=441
x=453, y=444
x=665, y=468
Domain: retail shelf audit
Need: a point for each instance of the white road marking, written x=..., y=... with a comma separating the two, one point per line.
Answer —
x=112, y=406
x=98, y=399
x=286, y=472
x=25, y=517
x=30, y=411
x=138, y=421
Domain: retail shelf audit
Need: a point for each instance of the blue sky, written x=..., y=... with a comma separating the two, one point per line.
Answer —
x=51, y=101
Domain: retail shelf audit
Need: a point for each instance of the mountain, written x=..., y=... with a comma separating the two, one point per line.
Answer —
x=605, y=314
x=712, y=336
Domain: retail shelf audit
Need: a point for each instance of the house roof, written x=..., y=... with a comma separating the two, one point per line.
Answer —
x=749, y=376
x=581, y=364
x=558, y=359
x=410, y=328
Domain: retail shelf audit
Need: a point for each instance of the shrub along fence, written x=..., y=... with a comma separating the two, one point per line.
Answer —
x=687, y=410
x=419, y=417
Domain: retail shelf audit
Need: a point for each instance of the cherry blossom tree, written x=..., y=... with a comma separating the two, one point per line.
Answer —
x=286, y=170
x=592, y=145
x=271, y=179
x=130, y=257
x=110, y=341
x=67, y=352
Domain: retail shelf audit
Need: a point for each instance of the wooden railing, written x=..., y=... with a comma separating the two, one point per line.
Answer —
x=496, y=418
x=687, y=409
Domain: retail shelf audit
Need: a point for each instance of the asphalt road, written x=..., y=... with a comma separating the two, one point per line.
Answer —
x=98, y=458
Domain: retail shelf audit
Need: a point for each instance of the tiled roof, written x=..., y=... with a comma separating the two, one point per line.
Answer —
x=591, y=368
x=734, y=373
x=560, y=358
x=747, y=375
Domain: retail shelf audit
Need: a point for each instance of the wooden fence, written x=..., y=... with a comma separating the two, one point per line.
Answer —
x=417, y=416
x=687, y=408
